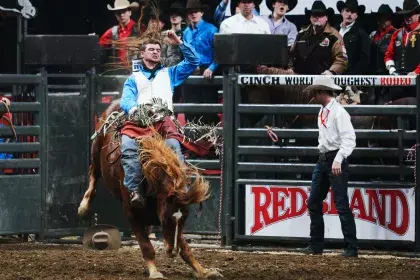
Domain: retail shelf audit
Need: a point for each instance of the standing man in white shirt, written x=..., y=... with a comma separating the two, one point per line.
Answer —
x=337, y=141
x=245, y=21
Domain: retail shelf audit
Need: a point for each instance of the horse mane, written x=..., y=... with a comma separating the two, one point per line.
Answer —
x=162, y=169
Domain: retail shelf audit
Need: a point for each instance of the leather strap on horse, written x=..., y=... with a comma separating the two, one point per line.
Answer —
x=9, y=121
x=110, y=153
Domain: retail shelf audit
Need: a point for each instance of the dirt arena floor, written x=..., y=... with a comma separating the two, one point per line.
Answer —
x=28, y=261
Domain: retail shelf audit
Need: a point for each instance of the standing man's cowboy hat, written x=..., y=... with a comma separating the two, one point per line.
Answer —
x=291, y=3
x=318, y=7
x=352, y=5
x=384, y=10
x=235, y=3
x=323, y=82
x=102, y=237
x=409, y=7
x=123, y=4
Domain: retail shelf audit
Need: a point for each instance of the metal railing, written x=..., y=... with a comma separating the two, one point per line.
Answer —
x=23, y=199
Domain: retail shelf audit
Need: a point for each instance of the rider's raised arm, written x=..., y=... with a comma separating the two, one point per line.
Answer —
x=185, y=68
x=128, y=101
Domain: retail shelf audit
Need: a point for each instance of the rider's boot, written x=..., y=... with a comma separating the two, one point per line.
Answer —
x=137, y=200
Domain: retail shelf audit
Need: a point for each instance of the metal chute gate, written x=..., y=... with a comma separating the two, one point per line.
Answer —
x=267, y=198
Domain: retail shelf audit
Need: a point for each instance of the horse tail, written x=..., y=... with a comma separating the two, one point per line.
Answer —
x=162, y=169
x=198, y=190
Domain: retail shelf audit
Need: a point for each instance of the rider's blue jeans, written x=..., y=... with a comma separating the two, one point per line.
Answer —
x=131, y=163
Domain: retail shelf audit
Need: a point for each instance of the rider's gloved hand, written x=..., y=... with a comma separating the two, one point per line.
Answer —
x=132, y=111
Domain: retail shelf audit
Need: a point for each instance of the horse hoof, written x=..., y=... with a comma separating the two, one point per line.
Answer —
x=156, y=275
x=213, y=273
x=210, y=273
x=83, y=208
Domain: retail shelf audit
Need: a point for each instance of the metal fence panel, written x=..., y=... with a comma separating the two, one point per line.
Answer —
x=21, y=200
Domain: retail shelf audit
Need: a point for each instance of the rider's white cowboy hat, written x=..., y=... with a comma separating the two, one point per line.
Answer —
x=122, y=5
x=323, y=82
x=102, y=237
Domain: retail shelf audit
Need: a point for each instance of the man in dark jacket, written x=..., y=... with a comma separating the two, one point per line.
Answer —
x=319, y=48
x=355, y=38
x=379, y=41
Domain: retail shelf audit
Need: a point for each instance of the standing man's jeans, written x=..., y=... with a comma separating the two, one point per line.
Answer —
x=133, y=175
x=322, y=178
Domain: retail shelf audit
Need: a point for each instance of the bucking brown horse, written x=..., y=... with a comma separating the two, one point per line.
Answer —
x=166, y=179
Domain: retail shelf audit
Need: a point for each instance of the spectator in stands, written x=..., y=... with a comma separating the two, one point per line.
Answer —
x=245, y=21
x=157, y=20
x=5, y=120
x=220, y=12
x=403, y=54
x=355, y=38
x=126, y=28
x=319, y=48
x=278, y=22
x=172, y=54
x=379, y=43
x=200, y=34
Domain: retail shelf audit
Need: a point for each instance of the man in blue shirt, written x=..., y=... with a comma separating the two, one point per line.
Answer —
x=152, y=80
x=200, y=34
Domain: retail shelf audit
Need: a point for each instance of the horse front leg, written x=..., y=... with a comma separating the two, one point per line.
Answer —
x=187, y=256
x=142, y=235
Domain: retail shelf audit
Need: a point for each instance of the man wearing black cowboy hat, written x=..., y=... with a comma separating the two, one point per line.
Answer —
x=172, y=54
x=379, y=41
x=278, y=22
x=355, y=38
x=245, y=21
x=403, y=53
x=200, y=34
x=319, y=48
x=126, y=28
x=157, y=20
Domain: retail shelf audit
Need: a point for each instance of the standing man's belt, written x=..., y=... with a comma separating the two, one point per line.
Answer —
x=328, y=155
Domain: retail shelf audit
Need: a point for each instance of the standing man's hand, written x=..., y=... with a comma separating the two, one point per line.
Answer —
x=207, y=74
x=327, y=72
x=173, y=38
x=336, y=168
x=412, y=74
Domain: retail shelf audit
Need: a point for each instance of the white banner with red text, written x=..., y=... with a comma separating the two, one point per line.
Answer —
x=340, y=80
x=281, y=211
